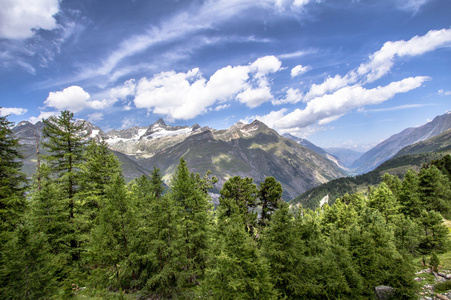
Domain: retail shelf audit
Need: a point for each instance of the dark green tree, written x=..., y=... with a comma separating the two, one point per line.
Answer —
x=28, y=268
x=65, y=142
x=270, y=196
x=113, y=233
x=239, y=196
x=409, y=197
x=193, y=208
x=435, y=190
x=238, y=270
x=280, y=248
x=12, y=181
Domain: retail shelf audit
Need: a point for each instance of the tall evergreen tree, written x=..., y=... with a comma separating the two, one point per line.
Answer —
x=65, y=143
x=193, y=207
x=409, y=197
x=435, y=190
x=12, y=180
x=111, y=236
x=239, y=196
x=97, y=172
x=270, y=197
x=238, y=270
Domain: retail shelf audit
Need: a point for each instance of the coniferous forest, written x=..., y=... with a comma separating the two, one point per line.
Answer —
x=78, y=227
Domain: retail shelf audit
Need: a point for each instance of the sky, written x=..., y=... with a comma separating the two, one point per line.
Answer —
x=340, y=73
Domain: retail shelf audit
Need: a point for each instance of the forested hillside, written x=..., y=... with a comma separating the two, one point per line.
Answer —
x=397, y=166
x=78, y=229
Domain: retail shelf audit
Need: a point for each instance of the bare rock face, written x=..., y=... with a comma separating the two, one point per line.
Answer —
x=383, y=292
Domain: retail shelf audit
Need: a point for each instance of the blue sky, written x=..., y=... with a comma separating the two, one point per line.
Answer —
x=342, y=73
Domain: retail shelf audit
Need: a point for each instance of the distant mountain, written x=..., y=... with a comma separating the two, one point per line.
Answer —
x=344, y=156
x=388, y=148
x=439, y=143
x=248, y=150
x=410, y=157
x=306, y=143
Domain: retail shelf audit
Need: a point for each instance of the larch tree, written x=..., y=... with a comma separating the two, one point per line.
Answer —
x=65, y=142
x=12, y=181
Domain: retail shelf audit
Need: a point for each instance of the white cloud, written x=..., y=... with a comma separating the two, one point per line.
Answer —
x=293, y=96
x=186, y=95
x=444, y=93
x=19, y=18
x=122, y=92
x=4, y=111
x=299, y=70
x=331, y=106
x=413, y=5
x=43, y=115
x=382, y=60
x=331, y=84
x=75, y=99
x=265, y=65
x=94, y=117
x=221, y=107
x=269, y=119
x=295, y=54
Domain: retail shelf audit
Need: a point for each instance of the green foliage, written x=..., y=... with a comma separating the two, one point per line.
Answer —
x=239, y=196
x=84, y=225
x=12, y=181
x=28, y=268
x=238, y=270
x=270, y=197
x=434, y=261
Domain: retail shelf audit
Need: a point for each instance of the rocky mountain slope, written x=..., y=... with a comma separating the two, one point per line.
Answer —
x=388, y=148
x=248, y=150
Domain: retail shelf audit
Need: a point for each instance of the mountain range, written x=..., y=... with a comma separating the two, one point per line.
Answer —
x=247, y=150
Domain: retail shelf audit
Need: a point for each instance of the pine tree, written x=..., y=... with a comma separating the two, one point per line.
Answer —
x=193, y=208
x=97, y=172
x=382, y=199
x=238, y=270
x=409, y=198
x=65, y=143
x=239, y=196
x=270, y=197
x=12, y=180
x=28, y=269
x=279, y=247
x=435, y=190
x=112, y=234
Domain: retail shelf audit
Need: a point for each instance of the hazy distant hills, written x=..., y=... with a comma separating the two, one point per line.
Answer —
x=248, y=150
x=388, y=148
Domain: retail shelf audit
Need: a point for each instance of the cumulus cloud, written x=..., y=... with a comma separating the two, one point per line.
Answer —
x=329, y=107
x=75, y=99
x=186, y=95
x=4, y=111
x=299, y=70
x=20, y=18
x=292, y=96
